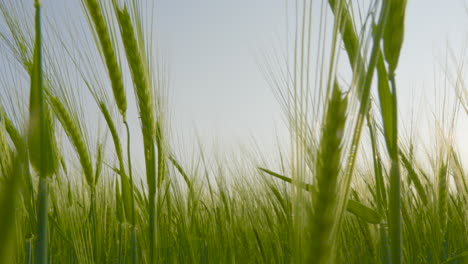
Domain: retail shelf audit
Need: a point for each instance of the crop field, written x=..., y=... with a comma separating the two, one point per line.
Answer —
x=350, y=187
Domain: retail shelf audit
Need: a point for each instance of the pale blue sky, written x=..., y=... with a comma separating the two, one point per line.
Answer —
x=218, y=87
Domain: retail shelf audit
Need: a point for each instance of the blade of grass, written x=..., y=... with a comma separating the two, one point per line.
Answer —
x=358, y=209
x=40, y=140
x=393, y=41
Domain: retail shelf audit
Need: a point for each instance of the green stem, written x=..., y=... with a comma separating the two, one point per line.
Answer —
x=41, y=246
x=120, y=244
x=385, y=254
x=130, y=174
x=395, y=186
x=379, y=181
x=28, y=252
x=150, y=158
x=134, y=246
x=94, y=222
x=363, y=109
x=41, y=243
x=134, y=236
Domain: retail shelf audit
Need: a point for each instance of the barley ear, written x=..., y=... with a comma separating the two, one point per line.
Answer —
x=139, y=72
x=327, y=172
x=442, y=197
x=40, y=131
x=107, y=49
x=394, y=33
x=75, y=135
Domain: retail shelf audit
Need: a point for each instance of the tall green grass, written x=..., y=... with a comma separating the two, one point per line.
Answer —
x=40, y=141
x=92, y=204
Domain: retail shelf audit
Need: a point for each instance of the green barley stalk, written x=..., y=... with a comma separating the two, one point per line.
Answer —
x=10, y=176
x=13, y=133
x=442, y=197
x=40, y=141
x=22, y=153
x=99, y=161
x=462, y=184
x=328, y=169
x=127, y=185
x=356, y=208
x=134, y=253
x=114, y=70
x=115, y=75
x=119, y=210
x=75, y=134
x=381, y=191
x=40, y=130
x=182, y=172
x=394, y=213
x=107, y=49
x=127, y=193
x=139, y=72
x=393, y=41
x=394, y=33
x=161, y=157
x=414, y=177
x=9, y=201
x=379, y=179
x=351, y=43
x=22, y=43
x=27, y=192
x=113, y=130
x=350, y=40
x=145, y=101
x=130, y=173
x=363, y=109
x=72, y=128
x=388, y=106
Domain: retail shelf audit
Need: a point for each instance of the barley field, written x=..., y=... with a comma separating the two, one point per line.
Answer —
x=90, y=171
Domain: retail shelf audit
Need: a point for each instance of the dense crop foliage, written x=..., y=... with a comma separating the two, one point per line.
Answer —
x=67, y=197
